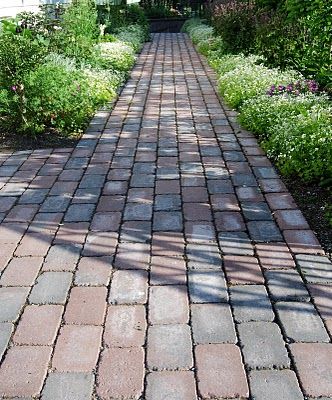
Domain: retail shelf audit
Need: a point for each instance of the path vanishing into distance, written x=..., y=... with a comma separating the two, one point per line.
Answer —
x=162, y=257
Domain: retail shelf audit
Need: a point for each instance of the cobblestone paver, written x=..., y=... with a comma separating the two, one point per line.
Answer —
x=162, y=257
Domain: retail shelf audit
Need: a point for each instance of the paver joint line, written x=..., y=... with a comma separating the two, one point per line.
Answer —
x=162, y=257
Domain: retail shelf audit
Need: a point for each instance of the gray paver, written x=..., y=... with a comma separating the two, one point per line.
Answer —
x=33, y=196
x=68, y=386
x=251, y=303
x=262, y=345
x=129, y=287
x=169, y=347
x=207, y=286
x=203, y=256
x=178, y=385
x=286, y=285
x=274, y=385
x=62, y=257
x=256, y=211
x=79, y=212
x=12, y=300
x=212, y=323
x=167, y=202
x=301, y=322
x=237, y=243
x=137, y=212
x=167, y=221
x=6, y=330
x=55, y=204
x=51, y=288
x=315, y=269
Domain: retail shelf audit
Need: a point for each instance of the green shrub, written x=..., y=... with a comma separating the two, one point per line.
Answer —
x=264, y=113
x=302, y=145
x=133, y=34
x=79, y=30
x=229, y=62
x=190, y=24
x=247, y=81
x=234, y=21
x=114, y=55
x=200, y=33
x=114, y=17
x=60, y=96
x=20, y=52
x=211, y=47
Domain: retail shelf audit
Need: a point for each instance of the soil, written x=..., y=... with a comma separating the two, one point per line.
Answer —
x=50, y=139
x=316, y=204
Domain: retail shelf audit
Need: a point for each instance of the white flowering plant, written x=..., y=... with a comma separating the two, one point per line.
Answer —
x=302, y=144
x=115, y=55
x=250, y=80
x=134, y=35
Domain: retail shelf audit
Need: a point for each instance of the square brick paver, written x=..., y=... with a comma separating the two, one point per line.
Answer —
x=220, y=371
x=77, y=348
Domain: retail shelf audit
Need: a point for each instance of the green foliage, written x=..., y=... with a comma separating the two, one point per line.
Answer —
x=79, y=30
x=134, y=35
x=54, y=73
x=234, y=21
x=229, y=62
x=191, y=24
x=20, y=52
x=212, y=47
x=114, y=55
x=302, y=145
x=160, y=11
x=115, y=17
x=200, y=33
x=287, y=33
x=262, y=114
x=247, y=81
x=58, y=95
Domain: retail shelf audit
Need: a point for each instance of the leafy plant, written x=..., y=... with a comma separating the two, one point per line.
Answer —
x=262, y=114
x=114, y=55
x=79, y=30
x=247, y=81
x=302, y=145
x=234, y=21
x=134, y=35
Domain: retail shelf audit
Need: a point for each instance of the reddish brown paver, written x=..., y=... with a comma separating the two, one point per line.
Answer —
x=313, y=364
x=155, y=191
x=220, y=372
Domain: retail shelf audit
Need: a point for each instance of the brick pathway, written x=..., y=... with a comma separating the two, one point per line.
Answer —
x=158, y=258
